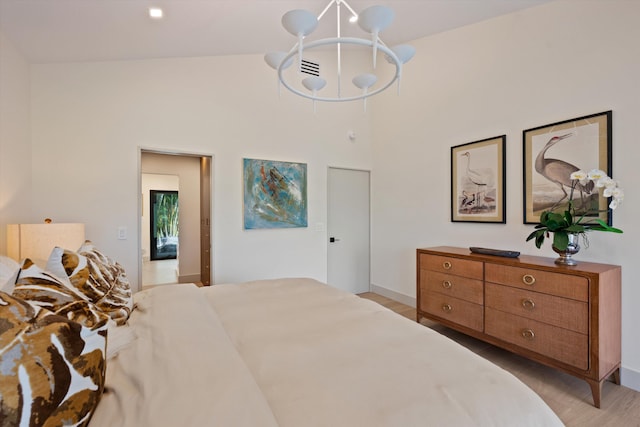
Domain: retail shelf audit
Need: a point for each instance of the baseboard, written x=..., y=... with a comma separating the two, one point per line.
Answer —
x=189, y=278
x=396, y=296
x=630, y=378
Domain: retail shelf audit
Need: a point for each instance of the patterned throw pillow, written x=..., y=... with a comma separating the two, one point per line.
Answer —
x=47, y=291
x=51, y=369
x=96, y=277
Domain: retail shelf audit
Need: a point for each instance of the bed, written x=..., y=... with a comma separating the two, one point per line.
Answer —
x=296, y=352
x=77, y=348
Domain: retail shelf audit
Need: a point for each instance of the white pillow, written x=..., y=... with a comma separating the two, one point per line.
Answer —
x=9, y=270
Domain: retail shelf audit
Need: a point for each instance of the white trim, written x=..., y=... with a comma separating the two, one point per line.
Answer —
x=396, y=296
x=630, y=378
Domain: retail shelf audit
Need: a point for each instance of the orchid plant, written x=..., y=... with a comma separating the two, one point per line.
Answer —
x=572, y=222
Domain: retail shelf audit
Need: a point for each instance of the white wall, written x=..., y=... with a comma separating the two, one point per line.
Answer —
x=15, y=144
x=89, y=120
x=546, y=64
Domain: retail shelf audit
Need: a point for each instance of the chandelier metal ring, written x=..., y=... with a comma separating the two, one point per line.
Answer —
x=341, y=40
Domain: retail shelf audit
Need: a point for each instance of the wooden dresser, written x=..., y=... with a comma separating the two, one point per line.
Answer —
x=564, y=317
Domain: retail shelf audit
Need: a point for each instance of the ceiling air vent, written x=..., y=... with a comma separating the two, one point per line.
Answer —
x=309, y=67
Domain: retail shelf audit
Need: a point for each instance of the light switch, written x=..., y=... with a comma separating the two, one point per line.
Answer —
x=122, y=233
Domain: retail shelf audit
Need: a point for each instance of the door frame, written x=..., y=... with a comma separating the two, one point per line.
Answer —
x=370, y=219
x=152, y=150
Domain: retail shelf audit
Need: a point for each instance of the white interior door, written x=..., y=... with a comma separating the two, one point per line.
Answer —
x=348, y=229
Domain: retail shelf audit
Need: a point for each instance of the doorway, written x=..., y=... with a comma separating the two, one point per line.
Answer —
x=348, y=227
x=178, y=240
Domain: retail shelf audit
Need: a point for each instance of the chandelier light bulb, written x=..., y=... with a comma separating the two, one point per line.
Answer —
x=300, y=23
x=364, y=82
x=314, y=84
x=373, y=20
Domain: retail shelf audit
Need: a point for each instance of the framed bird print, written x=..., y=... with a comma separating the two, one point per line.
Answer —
x=478, y=190
x=551, y=153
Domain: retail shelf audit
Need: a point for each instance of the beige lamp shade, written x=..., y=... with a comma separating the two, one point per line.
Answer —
x=36, y=241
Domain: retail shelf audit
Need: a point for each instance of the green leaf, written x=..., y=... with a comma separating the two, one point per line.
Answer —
x=560, y=240
x=576, y=228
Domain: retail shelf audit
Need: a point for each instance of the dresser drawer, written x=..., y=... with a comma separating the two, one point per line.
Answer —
x=557, y=343
x=453, y=309
x=456, y=286
x=559, y=284
x=562, y=312
x=452, y=265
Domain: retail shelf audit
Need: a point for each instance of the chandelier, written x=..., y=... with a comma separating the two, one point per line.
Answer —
x=301, y=23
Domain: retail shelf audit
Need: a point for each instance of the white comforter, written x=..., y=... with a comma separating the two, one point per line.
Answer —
x=298, y=353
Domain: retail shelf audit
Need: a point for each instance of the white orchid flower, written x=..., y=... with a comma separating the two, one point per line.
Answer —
x=613, y=205
x=597, y=175
x=580, y=176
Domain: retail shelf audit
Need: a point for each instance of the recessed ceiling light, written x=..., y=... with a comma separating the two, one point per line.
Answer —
x=155, y=12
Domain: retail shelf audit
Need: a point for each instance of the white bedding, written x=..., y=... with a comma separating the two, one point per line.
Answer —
x=298, y=353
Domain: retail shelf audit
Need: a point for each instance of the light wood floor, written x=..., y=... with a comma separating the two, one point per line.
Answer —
x=569, y=397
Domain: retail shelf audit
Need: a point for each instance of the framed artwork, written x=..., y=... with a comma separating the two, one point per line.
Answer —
x=551, y=153
x=275, y=194
x=477, y=181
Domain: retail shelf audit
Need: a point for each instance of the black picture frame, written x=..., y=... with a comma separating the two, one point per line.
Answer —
x=478, y=186
x=582, y=143
x=163, y=209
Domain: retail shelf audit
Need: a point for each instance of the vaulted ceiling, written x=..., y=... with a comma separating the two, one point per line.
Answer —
x=96, y=30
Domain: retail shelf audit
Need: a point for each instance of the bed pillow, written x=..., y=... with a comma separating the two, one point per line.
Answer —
x=45, y=290
x=95, y=276
x=51, y=369
x=9, y=270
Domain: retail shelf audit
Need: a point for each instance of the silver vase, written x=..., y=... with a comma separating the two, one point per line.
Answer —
x=566, y=255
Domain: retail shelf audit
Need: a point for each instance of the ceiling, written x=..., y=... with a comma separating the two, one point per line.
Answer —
x=97, y=30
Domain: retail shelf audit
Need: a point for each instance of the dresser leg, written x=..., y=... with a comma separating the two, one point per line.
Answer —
x=616, y=376
x=596, y=391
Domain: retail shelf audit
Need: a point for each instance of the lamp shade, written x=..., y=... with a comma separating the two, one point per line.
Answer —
x=274, y=59
x=364, y=81
x=36, y=241
x=404, y=52
x=375, y=18
x=314, y=83
x=299, y=22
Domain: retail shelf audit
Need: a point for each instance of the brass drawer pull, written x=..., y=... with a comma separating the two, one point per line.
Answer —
x=528, y=334
x=528, y=279
x=528, y=304
x=446, y=284
x=446, y=265
x=447, y=308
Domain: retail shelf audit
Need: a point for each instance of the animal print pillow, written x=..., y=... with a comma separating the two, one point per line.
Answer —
x=96, y=277
x=43, y=289
x=51, y=369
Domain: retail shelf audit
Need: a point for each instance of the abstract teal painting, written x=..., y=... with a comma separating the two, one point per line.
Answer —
x=275, y=194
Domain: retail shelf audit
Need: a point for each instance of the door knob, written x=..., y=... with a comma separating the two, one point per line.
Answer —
x=333, y=239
